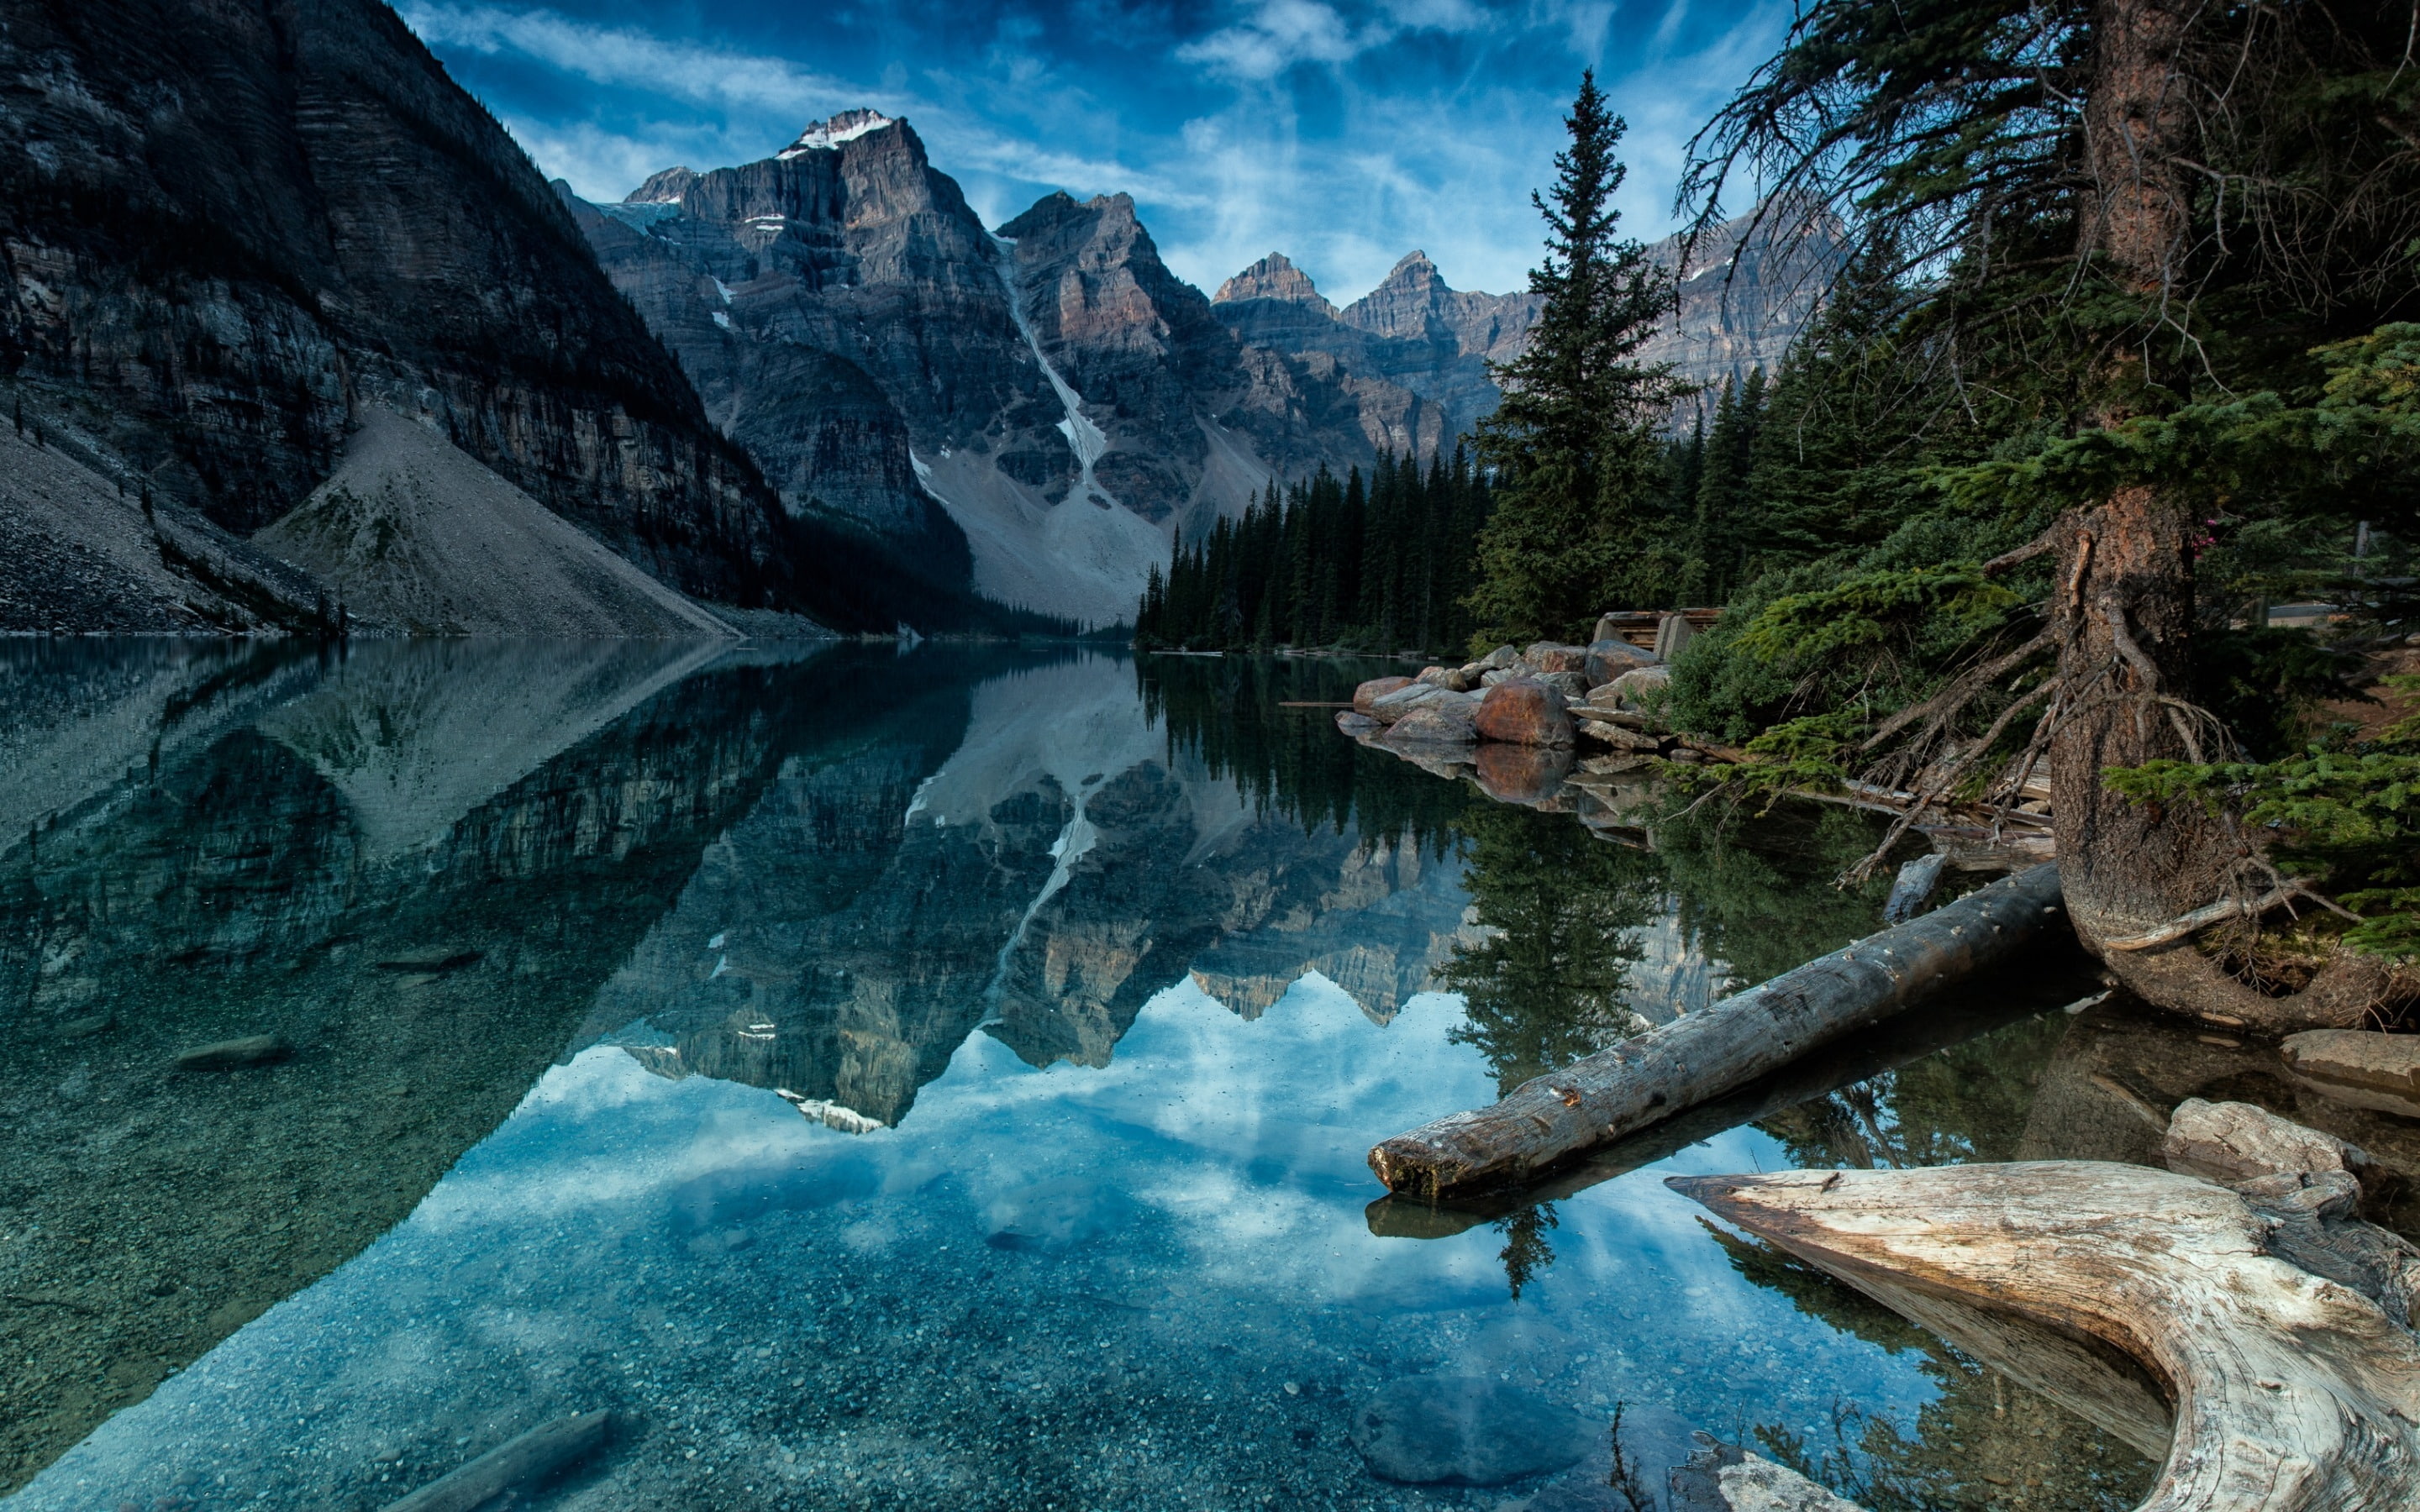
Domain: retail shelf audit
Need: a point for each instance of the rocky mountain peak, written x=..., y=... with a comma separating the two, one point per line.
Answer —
x=663, y=187
x=1274, y=277
x=1409, y=304
x=826, y=137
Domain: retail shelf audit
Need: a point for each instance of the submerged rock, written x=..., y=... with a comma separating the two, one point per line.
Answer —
x=230, y=1055
x=1466, y=1431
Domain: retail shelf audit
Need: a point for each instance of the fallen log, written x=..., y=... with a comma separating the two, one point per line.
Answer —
x=1703, y=1055
x=1896, y=1042
x=518, y=1464
x=2290, y=1391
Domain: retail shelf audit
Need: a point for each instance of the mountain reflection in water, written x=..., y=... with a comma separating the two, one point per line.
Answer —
x=1116, y=968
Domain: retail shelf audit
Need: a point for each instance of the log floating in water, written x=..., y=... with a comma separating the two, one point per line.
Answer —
x=1703, y=1055
x=517, y=1464
x=1887, y=1046
x=2292, y=1391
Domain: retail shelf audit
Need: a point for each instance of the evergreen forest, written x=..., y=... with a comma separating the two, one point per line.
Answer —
x=1376, y=564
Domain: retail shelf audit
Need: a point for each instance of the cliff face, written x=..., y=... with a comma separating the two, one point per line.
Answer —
x=1052, y=401
x=223, y=229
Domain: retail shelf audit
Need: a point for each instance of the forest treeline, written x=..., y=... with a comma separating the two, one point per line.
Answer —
x=1378, y=564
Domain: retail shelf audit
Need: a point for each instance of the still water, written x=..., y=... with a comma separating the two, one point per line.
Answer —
x=936, y=1079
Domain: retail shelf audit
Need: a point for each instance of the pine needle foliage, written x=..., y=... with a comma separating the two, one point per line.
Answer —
x=1575, y=446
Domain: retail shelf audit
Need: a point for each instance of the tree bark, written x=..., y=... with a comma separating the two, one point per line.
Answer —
x=2123, y=610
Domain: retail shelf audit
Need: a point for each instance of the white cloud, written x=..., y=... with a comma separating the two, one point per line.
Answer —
x=1280, y=34
x=627, y=58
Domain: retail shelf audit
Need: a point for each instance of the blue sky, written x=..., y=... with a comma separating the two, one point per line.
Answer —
x=1342, y=132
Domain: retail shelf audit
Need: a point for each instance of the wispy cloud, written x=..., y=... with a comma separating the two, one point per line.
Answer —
x=1344, y=132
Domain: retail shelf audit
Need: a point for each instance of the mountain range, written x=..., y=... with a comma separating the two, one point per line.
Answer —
x=244, y=243
x=1051, y=389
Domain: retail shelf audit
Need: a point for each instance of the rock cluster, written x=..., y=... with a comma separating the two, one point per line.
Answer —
x=1550, y=697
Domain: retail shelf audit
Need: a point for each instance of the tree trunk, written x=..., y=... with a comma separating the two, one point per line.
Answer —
x=2124, y=605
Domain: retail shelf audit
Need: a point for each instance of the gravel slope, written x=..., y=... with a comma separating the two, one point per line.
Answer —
x=413, y=531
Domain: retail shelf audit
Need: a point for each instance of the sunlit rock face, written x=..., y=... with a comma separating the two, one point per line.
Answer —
x=413, y=866
x=1037, y=880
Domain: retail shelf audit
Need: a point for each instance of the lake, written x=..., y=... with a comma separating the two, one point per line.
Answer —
x=899, y=1078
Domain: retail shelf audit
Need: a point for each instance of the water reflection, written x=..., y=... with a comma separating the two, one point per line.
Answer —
x=1095, y=979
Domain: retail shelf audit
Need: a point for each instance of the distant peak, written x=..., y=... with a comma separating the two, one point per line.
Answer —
x=663, y=187
x=1274, y=277
x=1415, y=268
x=826, y=137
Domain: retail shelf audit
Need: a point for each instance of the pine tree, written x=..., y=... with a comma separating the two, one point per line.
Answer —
x=1574, y=443
x=1725, y=506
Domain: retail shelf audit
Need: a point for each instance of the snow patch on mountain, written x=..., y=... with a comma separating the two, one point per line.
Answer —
x=1084, y=437
x=826, y=137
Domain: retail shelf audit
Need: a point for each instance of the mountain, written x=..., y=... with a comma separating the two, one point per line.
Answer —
x=1741, y=299
x=1412, y=332
x=1049, y=400
x=230, y=232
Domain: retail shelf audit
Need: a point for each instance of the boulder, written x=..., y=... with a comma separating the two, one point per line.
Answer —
x=1526, y=775
x=1466, y=1430
x=1553, y=656
x=1524, y=712
x=1392, y=706
x=1633, y=687
x=1454, y=679
x=1609, y=660
x=2359, y=1066
x=1434, y=724
x=1497, y=659
x=1573, y=687
x=1376, y=688
x=2228, y=1142
x=1493, y=675
x=1359, y=726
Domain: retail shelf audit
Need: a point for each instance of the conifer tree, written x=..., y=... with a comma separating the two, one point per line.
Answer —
x=1574, y=443
x=1725, y=506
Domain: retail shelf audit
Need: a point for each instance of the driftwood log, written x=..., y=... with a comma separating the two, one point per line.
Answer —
x=2276, y=1319
x=2060, y=981
x=518, y=1464
x=1719, y=1049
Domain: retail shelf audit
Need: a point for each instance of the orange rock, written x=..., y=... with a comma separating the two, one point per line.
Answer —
x=1523, y=713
